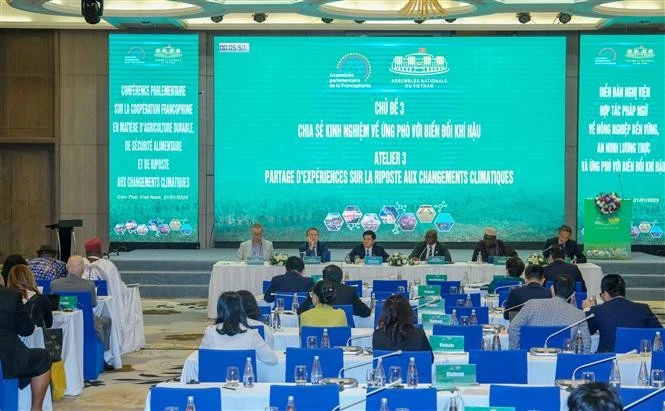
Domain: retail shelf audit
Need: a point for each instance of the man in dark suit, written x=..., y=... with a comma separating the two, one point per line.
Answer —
x=30, y=365
x=345, y=295
x=313, y=247
x=367, y=248
x=430, y=247
x=616, y=311
x=290, y=282
x=573, y=250
x=558, y=266
x=490, y=246
x=533, y=288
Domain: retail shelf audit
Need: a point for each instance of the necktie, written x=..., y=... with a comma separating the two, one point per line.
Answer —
x=430, y=251
x=368, y=252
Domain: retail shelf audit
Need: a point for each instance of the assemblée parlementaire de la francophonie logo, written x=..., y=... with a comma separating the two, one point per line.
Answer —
x=353, y=71
x=135, y=55
x=421, y=69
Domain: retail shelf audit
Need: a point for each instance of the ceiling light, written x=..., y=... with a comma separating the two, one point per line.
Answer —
x=327, y=20
x=92, y=10
x=564, y=18
x=217, y=19
x=450, y=20
x=523, y=17
x=419, y=21
x=259, y=17
x=359, y=21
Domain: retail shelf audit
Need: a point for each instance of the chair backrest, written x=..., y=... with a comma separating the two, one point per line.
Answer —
x=473, y=334
x=264, y=310
x=535, y=336
x=421, y=399
x=389, y=285
x=578, y=285
x=580, y=296
x=503, y=296
x=266, y=285
x=566, y=364
x=46, y=286
x=658, y=360
x=90, y=340
x=445, y=285
x=629, y=338
x=348, y=310
x=491, y=366
x=102, y=287
x=8, y=393
x=204, y=398
x=213, y=363
x=630, y=395
x=423, y=363
x=524, y=397
x=482, y=313
x=508, y=283
x=306, y=397
x=338, y=335
x=357, y=284
x=332, y=360
x=451, y=299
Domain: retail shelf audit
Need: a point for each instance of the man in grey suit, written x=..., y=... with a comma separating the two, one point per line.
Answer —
x=257, y=246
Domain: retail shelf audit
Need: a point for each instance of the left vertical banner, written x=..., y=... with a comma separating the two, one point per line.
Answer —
x=153, y=138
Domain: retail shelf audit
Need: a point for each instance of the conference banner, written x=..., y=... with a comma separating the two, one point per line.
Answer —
x=153, y=138
x=396, y=135
x=621, y=125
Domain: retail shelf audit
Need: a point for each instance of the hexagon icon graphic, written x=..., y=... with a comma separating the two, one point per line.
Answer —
x=656, y=231
x=425, y=213
x=370, y=221
x=388, y=214
x=644, y=227
x=333, y=221
x=444, y=222
x=175, y=224
x=634, y=231
x=407, y=221
x=352, y=214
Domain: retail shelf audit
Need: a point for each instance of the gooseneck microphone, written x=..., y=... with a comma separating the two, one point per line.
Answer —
x=588, y=317
x=553, y=351
x=633, y=351
x=356, y=337
x=360, y=364
x=642, y=399
x=364, y=397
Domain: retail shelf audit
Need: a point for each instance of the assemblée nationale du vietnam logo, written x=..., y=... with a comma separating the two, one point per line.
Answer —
x=168, y=54
x=419, y=64
x=640, y=55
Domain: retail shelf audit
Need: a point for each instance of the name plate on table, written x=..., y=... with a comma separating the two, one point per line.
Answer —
x=447, y=343
x=255, y=260
x=432, y=307
x=454, y=374
x=312, y=259
x=498, y=260
x=436, y=259
x=430, y=319
x=436, y=277
x=429, y=290
x=68, y=302
x=373, y=260
x=468, y=408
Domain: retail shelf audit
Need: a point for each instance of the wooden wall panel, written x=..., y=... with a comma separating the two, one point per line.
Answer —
x=5, y=201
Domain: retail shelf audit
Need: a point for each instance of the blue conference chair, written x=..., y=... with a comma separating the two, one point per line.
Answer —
x=93, y=348
x=348, y=310
x=473, y=334
x=46, y=286
x=524, y=397
x=503, y=297
x=102, y=287
x=629, y=395
x=482, y=313
x=204, y=398
x=508, y=283
x=580, y=296
x=567, y=363
x=389, y=286
x=445, y=285
x=491, y=366
x=338, y=335
x=423, y=363
x=578, y=285
x=331, y=360
x=264, y=310
x=288, y=298
x=535, y=336
x=629, y=338
x=266, y=285
x=8, y=392
x=658, y=360
x=306, y=397
x=213, y=363
x=422, y=399
x=451, y=299
x=357, y=284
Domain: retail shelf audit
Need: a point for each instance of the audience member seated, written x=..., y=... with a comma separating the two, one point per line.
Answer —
x=594, y=396
x=490, y=246
x=38, y=306
x=313, y=247
x=558, y=265
x=256, y=246
x=514, y=270
x=11, y=261
x=45, y=266
x=252, y=314
x=323, y=314
x=553, y=311
x=430, y=247
x=535, y=278
x=231, y=331
x=93, y=254
x=367, y=248
x=573, y=250
x=395, y=329
x=616, y=311
x=30, y=365
x=290, y=282
x=344, y=295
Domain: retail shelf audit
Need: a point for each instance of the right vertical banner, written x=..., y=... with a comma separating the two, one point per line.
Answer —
x=621, y=145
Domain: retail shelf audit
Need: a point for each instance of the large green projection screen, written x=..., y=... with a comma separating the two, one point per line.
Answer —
x=621, y=125
x=153, y=138
x=398, y=135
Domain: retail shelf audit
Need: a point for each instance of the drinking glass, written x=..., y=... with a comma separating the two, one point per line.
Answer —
x=171, y=408
x=400, y=289
x=279, y=305
x=588, y=376
x=460, y=302
x=232, y=376
x=645, y=346
x=568, y=346
x=312, y=342
x=300, y=374
x=266, y=320
x=369, y=378
x=486, y=344
x=402, y=409
x=395, y=374
x=453, y=289
x=657, y=378
x=464, y=320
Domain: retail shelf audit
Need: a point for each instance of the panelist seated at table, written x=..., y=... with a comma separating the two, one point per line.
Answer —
x=313, y=247
x=253, y=315
x=37, y=305
x=573, y=250
x=558, y=265
x=290, y=282
x=429, y=248
x=344, y=295
x=514, y=270
x=30, y=365
x=395, y=329
x=323, y=314
x=616, y=311
x=367, y=248
x=256, y=247
x=491, y=246
x=232, y=332
x=533, y=289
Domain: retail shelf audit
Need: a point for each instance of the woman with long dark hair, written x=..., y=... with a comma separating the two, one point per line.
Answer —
x=38, y=306
x=253, y=315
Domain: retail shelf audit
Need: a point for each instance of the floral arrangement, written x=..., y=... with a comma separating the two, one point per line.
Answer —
x=608, y=203
x=536, y=259
x=279, y=259
x=398, y=260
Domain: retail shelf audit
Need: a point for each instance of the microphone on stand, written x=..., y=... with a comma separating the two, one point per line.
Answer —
x=364, y=397
x=572, y=381
x=553, y=351
x=360, y=364
x=356, y=337
x=642, y=399
x=516, y=285
x=431, y=302
x=514, y=306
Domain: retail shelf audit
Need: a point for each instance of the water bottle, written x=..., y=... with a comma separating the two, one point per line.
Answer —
x=325, y=339
x=473, y=320
x=379, y=374
x=190, y=404
x=643, y=376
x=399, y=275
x=453, y=404
x=496, y=341
x=248, y=375
x=479, y=260
x=372, y=302
x=346, y=276
x=579, y=343
x=412, y=290
x=384, y=405
x=295, y=304
x=615, y=376
x=468, y=302
x=453, y=318
x=290, y=403
x=317, y=373
x=276, y=321
x=657, y=343
x=412, y=374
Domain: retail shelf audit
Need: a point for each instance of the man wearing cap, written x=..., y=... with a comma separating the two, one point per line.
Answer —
x=490, y=246
x=93, y=253
x=45, y=266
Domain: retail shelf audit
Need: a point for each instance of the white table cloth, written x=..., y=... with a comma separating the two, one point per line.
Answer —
x=104, y=308
x=72, y=348
x=35, y=340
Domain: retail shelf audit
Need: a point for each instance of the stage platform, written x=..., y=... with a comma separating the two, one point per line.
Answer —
x=186, y=273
